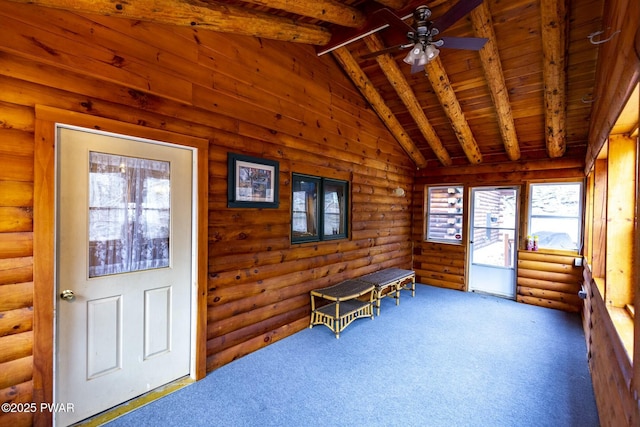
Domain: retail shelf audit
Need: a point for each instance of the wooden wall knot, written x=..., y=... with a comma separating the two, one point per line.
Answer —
x=117, y=61
x=141, y=98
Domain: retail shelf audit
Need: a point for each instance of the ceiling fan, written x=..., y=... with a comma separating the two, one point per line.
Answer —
x=421, y=35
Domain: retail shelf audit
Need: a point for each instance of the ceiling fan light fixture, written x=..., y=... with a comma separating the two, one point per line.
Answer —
x=431, y=52
x=423, y=59
x=421, y=55
x=415, y=53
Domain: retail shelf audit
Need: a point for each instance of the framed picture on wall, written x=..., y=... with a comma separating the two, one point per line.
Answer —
x=253, y=182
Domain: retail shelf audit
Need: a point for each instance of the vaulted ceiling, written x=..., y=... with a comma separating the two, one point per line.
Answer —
x=527, y=94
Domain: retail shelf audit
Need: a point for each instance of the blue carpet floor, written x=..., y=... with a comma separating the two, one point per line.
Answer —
x=442, y=358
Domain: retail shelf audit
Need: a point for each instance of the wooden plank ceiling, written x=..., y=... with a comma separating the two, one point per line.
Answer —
x=526, y=95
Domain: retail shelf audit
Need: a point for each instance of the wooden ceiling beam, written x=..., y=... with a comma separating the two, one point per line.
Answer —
x=505, y=169
x=197, y=14
x=399, y=82
x=323, y=10
x=364, y=85
x=553, y=17
x=442, y=86
x=483, y=27
x=392, y=4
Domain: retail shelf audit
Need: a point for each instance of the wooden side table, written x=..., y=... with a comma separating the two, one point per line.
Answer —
x=344, y=308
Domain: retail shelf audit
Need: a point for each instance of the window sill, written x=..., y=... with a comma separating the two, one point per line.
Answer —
x=622, y=319
x=305, y=243
x=623, y=322
x=445, y=242
x=573, y=253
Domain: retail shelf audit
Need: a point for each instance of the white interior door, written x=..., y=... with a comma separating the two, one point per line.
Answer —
x=124, y=235
x=493, y=242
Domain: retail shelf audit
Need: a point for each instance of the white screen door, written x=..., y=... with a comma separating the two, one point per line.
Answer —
x=124, y=269
x=493, y=243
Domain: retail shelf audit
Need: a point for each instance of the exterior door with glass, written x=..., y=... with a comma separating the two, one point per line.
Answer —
x=493, y=240
x=124, y=269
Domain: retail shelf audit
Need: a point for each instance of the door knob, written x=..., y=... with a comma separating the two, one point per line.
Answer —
x=68, y=295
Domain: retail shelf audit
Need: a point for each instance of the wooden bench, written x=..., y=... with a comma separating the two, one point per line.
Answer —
x=344, y=308
x=389, y=282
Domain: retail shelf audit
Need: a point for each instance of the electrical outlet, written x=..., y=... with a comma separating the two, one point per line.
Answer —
x=577, y=262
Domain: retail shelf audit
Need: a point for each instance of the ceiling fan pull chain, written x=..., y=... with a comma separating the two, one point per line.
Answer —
x=597, y=33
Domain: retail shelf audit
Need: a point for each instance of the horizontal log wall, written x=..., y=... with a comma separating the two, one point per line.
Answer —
x=549, y=280
x=611, y=367
x=16, y=262
x=441, y=265
x=256, y=97
x=444, y=265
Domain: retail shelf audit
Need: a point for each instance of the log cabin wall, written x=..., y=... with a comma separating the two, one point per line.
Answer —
x=543, y=279
x=549, y=280
x=249, y=96
x=615, y=367
x=611, y=367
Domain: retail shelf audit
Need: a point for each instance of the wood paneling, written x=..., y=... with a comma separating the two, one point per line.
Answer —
x=280, y=102
x=543, y=279
x=16, y=256
x=20, y=393
x=549, y=280
x=611, y=367
x=617, y=74
x=599, y=243
x=621, y=190
x=440, y=265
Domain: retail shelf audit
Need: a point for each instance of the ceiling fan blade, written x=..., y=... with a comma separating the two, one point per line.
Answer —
x=386, y=16
x=453, y=15
x=385, y=50
x=470, y=43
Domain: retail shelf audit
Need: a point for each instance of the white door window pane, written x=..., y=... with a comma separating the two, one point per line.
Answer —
x=129, y=209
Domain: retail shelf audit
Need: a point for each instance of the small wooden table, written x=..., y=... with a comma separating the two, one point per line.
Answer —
x=345, y=306
x=393, y=279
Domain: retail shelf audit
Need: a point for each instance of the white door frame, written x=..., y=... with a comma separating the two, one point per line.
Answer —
x=499, y=272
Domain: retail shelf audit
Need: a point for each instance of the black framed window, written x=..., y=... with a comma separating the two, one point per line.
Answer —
x=318, y=208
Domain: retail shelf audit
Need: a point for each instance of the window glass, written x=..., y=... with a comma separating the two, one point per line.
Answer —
x=555, y=215
x=319, y=209
x=304, y=208
x=334, y=209
x=129, y=214
x=444, y=214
